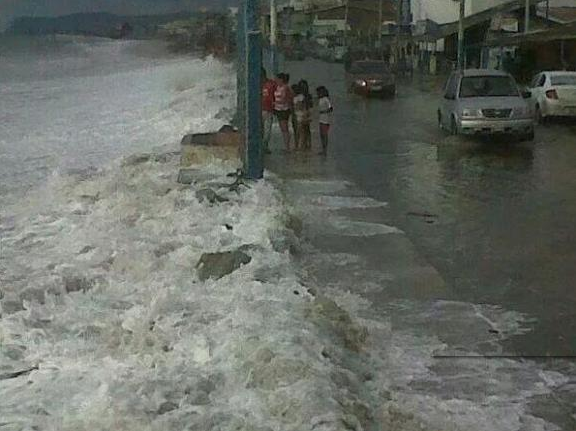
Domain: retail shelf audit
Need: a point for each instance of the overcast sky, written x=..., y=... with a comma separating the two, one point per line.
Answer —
x=13, y=8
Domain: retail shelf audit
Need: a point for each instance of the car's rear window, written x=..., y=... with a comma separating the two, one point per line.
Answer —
x=488, y=86
x=369, y=67
x=563, y=80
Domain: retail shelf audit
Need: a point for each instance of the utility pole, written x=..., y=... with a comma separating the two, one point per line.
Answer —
x=346, y=25
x=253, y=158
x=399, y=4
x=527, y=16
x=461, y=35
x=273, y=37
x=240, y=117
x=380, y=17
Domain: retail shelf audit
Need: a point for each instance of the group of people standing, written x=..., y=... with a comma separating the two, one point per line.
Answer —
x=294, y=105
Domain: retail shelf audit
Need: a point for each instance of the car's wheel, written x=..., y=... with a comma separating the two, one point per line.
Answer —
x=453, y=126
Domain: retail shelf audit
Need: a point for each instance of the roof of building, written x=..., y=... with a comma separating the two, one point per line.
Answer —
x=559, y=14
x=475, y=19
x=562, y=32
x=388, y=7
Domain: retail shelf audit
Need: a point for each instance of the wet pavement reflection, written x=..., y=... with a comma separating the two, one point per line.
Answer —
x=471, y=250
x=495, y=217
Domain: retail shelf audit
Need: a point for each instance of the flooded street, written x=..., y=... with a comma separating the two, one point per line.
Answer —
x=408, y=281
x=496, y=219
x=463, y=247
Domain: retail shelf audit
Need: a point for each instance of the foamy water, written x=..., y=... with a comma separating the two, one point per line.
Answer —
x=74, y=103
x=104, y=323
x=102, y=308
x=443, y=362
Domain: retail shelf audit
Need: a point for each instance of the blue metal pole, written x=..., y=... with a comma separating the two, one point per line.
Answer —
x=254, y=163
x=239, y=120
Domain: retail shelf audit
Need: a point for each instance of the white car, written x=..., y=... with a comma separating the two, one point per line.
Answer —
x=553, y=95
x=485, y=102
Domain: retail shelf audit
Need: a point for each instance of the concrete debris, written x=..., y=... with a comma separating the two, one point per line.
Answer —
x=210, y=195
x=217, y=265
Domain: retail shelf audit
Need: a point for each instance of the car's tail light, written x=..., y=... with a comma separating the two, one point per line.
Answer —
x=551, y=94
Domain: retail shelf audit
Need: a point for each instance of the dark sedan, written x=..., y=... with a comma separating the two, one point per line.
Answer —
x=371, y=77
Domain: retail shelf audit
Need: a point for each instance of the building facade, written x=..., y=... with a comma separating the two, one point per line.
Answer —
x=445, y=11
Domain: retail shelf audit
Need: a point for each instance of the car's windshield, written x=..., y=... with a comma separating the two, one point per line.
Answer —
x=369, y=67
x=563, y=80
x=488, y=86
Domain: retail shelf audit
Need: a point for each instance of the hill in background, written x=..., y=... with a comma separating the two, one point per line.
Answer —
x=96, y=24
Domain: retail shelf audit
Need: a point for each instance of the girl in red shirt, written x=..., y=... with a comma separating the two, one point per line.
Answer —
x=268, y=89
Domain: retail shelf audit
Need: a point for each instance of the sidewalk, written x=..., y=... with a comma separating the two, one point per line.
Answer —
x=337, y=219
x=418, y=333
x=351, y=254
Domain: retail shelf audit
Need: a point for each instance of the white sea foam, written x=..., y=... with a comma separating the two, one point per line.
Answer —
x=100, y=291
x=415, y=347
x=100, y=102
x=347, y=227
x=123, y=333
x=347, y=202
x=101, y=306
x=319, y=187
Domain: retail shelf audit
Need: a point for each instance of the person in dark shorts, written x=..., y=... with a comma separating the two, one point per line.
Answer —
x=304, y=123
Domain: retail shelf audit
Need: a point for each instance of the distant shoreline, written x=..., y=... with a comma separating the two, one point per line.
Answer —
x=99, y=24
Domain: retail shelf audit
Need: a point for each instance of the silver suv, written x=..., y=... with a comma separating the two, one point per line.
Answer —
x=482, y=101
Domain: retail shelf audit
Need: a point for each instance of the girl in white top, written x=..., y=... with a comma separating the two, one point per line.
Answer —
x=325, y=110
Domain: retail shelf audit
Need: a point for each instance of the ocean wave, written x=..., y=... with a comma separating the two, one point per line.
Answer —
x=106, y=318
x=74, y=121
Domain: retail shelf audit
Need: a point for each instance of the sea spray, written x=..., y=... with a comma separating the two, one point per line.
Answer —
x=134, y=340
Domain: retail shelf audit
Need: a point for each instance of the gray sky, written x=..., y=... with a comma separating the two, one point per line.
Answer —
x=13, y=8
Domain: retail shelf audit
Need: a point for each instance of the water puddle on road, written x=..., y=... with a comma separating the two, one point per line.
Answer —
x=443, y=361
x=483, y=267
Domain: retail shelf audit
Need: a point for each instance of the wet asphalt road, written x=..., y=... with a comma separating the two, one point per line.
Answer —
x=495, y=218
